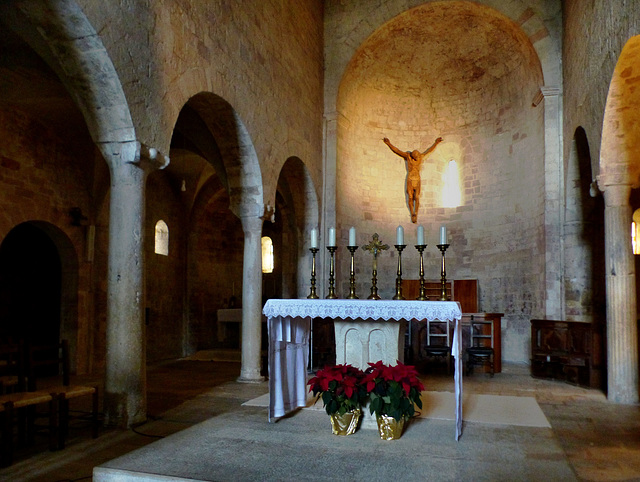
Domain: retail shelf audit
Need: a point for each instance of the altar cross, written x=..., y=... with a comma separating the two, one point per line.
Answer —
x=375, y=246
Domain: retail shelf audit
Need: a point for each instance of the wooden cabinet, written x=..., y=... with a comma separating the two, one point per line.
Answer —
x=567, y=350
x=464, y=291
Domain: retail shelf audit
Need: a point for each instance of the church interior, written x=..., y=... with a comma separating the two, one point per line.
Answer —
x=139, y=138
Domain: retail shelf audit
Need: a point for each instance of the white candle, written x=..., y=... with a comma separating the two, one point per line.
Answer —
x=332, y=237
x=420, y=235
x=443, y=235
x=352, y=236
x=400, y=236
x=314, y=238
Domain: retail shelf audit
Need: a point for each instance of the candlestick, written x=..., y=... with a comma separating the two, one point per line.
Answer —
x=423, y=292
x=443, y=274
x=352, y=275
x=332, y=291
x=420, y=241
x=332, y=237
x=314, y=238
x=352, y=236
x=443, y=235
x=398, y=295
x=399, y=236
x=312, y=294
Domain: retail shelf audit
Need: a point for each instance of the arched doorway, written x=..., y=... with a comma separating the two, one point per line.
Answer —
x=30, y=286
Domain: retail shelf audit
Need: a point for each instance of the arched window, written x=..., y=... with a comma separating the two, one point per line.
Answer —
x=635, y=235
x=451, y=193
x=162, y=238
x=267, y=254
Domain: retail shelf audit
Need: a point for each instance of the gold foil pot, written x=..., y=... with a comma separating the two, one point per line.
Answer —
x=389, y=428
x=345, y=424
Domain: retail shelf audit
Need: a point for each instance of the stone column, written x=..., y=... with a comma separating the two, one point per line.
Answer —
x=329, y=181
x=125, y=400
x=622, y=334
x=251, y=300
x=553, y=202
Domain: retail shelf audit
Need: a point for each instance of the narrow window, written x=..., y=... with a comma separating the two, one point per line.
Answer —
x=635, y=239
x=451, y=193
x=162, y=238
x=267, y=254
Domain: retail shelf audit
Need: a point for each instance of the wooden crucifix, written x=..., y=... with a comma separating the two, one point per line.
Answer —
x=414, y=163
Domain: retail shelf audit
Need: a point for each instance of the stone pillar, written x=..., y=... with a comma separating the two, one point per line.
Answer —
x=329, y=173
x=251, y=300
x=553, y=203
x=622, y=333
x=125, y=379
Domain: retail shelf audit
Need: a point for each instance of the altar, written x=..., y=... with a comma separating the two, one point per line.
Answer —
x=366, y=331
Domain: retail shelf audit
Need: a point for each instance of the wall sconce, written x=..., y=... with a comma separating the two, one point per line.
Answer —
x=77, y=218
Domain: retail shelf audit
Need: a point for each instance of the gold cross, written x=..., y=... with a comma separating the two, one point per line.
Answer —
x=374, y=247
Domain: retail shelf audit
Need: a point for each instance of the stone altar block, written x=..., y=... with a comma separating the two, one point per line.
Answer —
x=360, y=341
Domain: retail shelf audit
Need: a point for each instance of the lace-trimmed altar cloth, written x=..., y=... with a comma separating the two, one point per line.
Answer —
x=365, y=309
x=289, y=325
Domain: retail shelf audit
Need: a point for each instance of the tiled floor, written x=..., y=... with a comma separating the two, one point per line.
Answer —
x=601, y=441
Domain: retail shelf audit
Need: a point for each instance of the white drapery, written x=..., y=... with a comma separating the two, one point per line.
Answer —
x=289, y=323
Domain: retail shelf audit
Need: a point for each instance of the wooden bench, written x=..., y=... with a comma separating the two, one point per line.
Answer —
x=567, y=350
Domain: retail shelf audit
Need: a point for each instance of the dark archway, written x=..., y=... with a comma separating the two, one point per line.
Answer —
x=30, y=286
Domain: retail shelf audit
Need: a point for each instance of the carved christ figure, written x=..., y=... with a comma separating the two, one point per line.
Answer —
x=414, y=163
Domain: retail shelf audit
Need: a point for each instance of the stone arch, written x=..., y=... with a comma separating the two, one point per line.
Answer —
x=239, y=167
x=620, y=146
x=63, y=36
x=620, y=172
x=68, y=289
x=584, y=290
x=339, y=54
x=299, y=204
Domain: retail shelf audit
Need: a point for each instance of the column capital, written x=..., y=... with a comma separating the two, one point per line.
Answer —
x=545, y=92
x=151, y=158
x=251, y=224
x=133, y=152
x=616, y=194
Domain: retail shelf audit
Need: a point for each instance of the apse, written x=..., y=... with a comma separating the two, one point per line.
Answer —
x=467, y=73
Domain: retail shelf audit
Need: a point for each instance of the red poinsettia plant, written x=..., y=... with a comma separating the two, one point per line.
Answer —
x=340, y=388
x=393, y=390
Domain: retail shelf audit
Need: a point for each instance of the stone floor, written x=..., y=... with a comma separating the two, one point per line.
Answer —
x=590, y=439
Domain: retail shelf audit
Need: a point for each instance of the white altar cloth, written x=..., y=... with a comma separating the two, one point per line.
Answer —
x=289, y=323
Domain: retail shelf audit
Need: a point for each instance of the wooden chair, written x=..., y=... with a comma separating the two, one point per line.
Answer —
x=480, y=350
x=12, y=413
x=52, y=364
x=12, y=372
x=437, y=341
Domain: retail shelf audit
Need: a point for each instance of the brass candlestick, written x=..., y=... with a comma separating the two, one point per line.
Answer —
x=352, y=277
x=423, y=292
x=332, y=291
x=312, y=294
x=398, y=295
x=443, y=274
x=375, y=246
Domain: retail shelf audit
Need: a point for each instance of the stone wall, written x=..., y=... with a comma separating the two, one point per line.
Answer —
x=594, y=35
x=265, y=60
x=165, y=275
x=43, y=174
